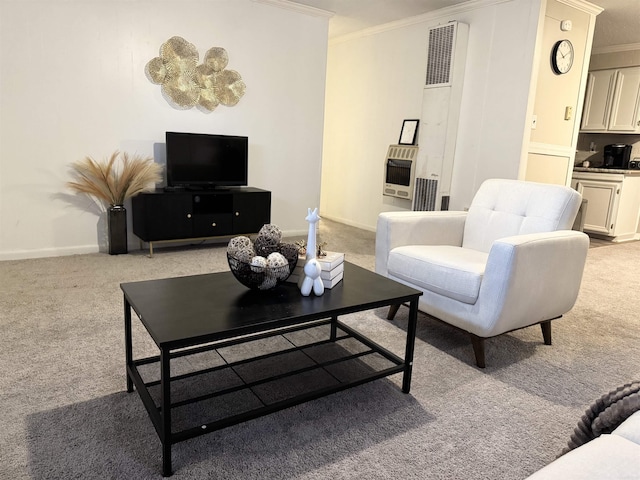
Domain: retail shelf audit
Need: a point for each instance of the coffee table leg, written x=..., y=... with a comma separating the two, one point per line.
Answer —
x=165, y=405
x=334, y=330
x=128, y=348
x=411, y=340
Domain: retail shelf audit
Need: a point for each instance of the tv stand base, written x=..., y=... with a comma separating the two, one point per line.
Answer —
x=177, y=240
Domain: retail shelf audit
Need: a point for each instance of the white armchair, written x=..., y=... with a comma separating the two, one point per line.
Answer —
x=511, y=261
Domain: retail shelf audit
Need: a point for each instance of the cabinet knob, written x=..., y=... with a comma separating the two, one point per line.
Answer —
x=213, y=224
x=188, y=215
x=237, y=214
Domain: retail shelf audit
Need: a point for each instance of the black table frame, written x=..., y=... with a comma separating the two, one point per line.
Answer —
x=161, y=415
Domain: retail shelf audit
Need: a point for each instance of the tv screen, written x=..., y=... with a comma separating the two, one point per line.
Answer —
x=205, y=161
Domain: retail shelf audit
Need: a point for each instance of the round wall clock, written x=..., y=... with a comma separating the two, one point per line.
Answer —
x=562, y=57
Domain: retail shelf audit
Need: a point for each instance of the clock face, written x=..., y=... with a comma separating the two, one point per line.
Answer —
x=562, y=57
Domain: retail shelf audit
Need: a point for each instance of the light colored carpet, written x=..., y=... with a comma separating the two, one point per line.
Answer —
x=65, y=412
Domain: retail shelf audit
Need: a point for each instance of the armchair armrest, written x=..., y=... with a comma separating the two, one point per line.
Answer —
x=396, y=229
x=535, y=275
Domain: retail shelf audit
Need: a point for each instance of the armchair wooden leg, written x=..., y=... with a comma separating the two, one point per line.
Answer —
x=393, y=309
x=546, y=331
x=478, y=349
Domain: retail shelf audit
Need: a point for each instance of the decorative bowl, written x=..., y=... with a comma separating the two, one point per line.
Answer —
x=258, y=276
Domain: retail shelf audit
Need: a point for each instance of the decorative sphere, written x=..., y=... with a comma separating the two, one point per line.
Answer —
x=278, y=265
x=245, y=255
x=238, y=243
x=258, y=264
x=289, y=251
x=272, y=232
x=268, y=240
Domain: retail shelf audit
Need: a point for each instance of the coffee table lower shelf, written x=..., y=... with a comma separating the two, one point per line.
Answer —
x=314, y=359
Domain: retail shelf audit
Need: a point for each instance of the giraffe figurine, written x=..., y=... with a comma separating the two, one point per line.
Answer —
x=312, y=267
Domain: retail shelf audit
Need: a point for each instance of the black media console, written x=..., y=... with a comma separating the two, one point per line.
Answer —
x=163, y=216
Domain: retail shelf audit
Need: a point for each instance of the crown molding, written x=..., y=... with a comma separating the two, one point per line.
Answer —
x=298, y=7
x=583, y=5
x=445, y=12
x=615, y=48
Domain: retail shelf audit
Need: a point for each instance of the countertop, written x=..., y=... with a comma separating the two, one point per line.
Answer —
x=606, y=170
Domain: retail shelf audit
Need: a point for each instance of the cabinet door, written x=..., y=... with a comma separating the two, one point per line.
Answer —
x=597, y=100
x=162, y=216
x=251, y=210
x=602, y=204
x=624, y=108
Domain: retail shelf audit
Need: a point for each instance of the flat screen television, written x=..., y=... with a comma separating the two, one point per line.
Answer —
x=196, y=160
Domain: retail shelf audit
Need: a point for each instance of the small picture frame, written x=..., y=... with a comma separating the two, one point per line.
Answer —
x=409, y=132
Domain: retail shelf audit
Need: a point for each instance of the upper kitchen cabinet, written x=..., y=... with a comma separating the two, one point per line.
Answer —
x=612, y=101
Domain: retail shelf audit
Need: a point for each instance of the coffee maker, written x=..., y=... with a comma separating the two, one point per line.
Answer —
x=617, y=156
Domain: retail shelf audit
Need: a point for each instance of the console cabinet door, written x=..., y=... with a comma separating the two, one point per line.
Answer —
x=212, y=225
x=251, y=210
x=212, y=214
x=162, y=217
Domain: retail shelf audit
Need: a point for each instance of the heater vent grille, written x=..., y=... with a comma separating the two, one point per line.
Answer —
x=440, y=55
x=425, y=194
x=398, y=152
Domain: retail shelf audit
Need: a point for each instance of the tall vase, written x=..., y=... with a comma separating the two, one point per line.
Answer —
x=117, y=228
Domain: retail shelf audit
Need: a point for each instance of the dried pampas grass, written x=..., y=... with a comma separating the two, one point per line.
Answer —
x=112, y=182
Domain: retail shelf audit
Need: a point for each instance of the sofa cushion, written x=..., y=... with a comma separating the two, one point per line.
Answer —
x=454, y=272
x=606, y=457
x=630, y=429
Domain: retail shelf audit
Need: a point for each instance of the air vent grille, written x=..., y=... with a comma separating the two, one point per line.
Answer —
x=425, y=194
x=398, y=152
x=439, y=54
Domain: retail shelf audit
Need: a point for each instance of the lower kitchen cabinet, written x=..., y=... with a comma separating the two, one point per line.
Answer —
x=613, y=208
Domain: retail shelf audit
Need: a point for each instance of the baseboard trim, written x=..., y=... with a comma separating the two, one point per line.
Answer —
x=49, y=252
x=349, y=222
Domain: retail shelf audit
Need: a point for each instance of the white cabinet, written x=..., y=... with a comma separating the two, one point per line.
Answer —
x=613, y=207
x=597, y=100
x=612, y=101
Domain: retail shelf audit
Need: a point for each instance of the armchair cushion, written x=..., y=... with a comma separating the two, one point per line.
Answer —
x=451, y=271
x=396, y=229
x=503, y=208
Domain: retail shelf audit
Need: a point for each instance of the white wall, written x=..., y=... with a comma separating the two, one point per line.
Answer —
x=72, y=84
x=375, y=80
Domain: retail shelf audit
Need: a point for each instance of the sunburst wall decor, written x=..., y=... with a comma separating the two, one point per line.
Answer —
x=185, y=84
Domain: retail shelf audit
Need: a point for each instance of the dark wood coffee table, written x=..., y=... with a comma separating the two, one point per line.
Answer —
x=211, y=314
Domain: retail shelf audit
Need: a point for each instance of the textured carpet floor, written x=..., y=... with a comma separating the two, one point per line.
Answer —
x=65, y=412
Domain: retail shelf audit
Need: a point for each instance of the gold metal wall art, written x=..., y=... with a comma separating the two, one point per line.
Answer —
x=186, y=84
